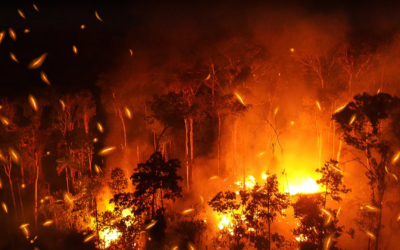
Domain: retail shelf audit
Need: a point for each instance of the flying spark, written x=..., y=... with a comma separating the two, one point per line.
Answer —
x=25, y=231
x=75, y=49
x=292, y=123
x=106, y=151
x=2, y=159
x=1, y=185
x=82, y=26
x=395, y=177
x=22, y=185
x=95, y=140
x=4, y=207
x=97, y=168
x=336, y=168
x=261, y=188
x=4, y=120
x=202, y=200
x=370, y=235
x=36, y=8
x=292, y=50
x=372, y=208
x=21, y=13
x=214, y=177
x=337, y=214
x=240, y=98
x=188, y=211
x=208, y=77
x=89, y=238
x=26, y=31
x=339, y=109
x=2, y=35
x=379, y=90
x=398, y=217
x=353, y=118
x=260, y=154
x=12, y=34
x=97, y=15
x=128, y=113
x=44, y=78
x=62, y=104
x=14, y=155
x=396, y=157
x=47, y=223
x=318, y=105
x=12, y=56
x=36, y=63
x=100, y=127
x=175, y=248
x=328, y=242
x=150, y=225
x=276, y=111
x=33, y=102
x=131, y=52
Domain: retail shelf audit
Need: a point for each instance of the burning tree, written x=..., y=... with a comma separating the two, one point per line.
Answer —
x=118, y=181
x=259, y=209
x=362, y=124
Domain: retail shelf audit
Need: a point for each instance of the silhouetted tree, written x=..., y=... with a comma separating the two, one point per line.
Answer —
x=118, y=181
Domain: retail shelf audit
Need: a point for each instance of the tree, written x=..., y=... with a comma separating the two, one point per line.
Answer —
x=118, y=181
x=361, y=122
x=318, y=228
x=332, y=181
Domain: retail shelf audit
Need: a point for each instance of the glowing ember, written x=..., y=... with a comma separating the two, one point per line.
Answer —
x=13, y=57
x=188, y=211
x=276, y=111
x=396, y=157
x=353, y=118
x=309, y=186
x=62, y=104
x=379, y=90
x=328, y=241
x=98, y=17
x=339, y=109
x=36, y=63
x=318, y=105
x=150, y=225
x=95, y=140
x=12, y=34
x=208, y=77
x=33, y=102
x=23, y=186
x=82, y=26
x=24, y=225
x=372, y=208
x=47, y=223
x=130, y=51
x=100, y=127
x=175, y=248
x=14, y=155
x=2, y=35
x=292, y=50
x=128, y=113
x=21, y=13
x=4, y=207
x=370, y=235
x=4, y=120
x=75, y=49
x=240, y=98
x=1, y=185
x=260, y=154
x=106, y=151
x=214, y=177
x=26, y=31
x=89, y=237
x=98, y=169
x=337, y=213
x=36, y=8
x=202, y=200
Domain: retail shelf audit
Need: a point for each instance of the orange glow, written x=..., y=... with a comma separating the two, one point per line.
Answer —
x=36, y=8
x=318, y=105
x=1, y=185
x=95, y=140
x=62, y=104
x=4, y=120
x=97, y=16
x=175, y=248
x=260, y=154
x=82, y=26
x=208, y=77
x=339, y=109
x=47, y=223
x=75, y=49
x=130, y=51
x=292, y=50
x=353, y=118
x=276, y=111
x=250, y=182
x=292, y=123
x=188, y=211
x=21, y=13
x=214, y=177
x=240, y=98
x=372, y=208
x=4, y=207
x=33, y=102
x=379, y=90
x=13, y=57
x=37, y=62
x=89, y=238
x=202, y=200
x=14, y=155
x=396, y=157
x=22, y=185
x=2, y=35
x=12, y=34
x=106, y=151
x=128, y=113
x=370, y=235
x=26, y=31
x=97, y=168
x=150, y=225
x=100, y=127
x=307, y=187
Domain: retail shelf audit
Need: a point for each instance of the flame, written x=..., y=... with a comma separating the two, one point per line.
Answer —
x=100, y=127
x=309, y=186
x=74, y=49
x=128, y=113
x=250, y=182
x=26, y=31
x=225, y=222
x=2, y=35
x=97, y=15
x=301, y=238
x=33, y=102
x=21, y=13
x=36, y=63
x=4, y=207
x=318, y=105
x=13, y=57
x=47, y=223
x=109, y=235
x=106, y=151
x=11, y=32
x=240, y=98
x=36, y=8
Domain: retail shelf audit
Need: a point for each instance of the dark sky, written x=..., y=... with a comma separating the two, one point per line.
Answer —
x=139, y=25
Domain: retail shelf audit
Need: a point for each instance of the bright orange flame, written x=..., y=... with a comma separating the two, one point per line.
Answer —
x=250, y=182
x=21, y=13
x=74, y=49
x=301, y=238
x=240, y=98
x=36, y=8
x=4, y=207
x=44, y=78
x=2, y=35
x=309, y=186
x=100, y=127
x=11, y=32
x=98, y=17
x=318, y=105
x=13, y=57
x=106, y=151
x=33, y=102
x=128, y=113
x=36, y=63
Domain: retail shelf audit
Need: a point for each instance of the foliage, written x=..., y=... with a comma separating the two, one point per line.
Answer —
x=118, y=181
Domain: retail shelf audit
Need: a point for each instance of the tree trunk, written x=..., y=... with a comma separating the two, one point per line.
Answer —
x=66, y=177
x=90, y=160
x=36, y=189
x=191, y=147
x=20, y=200
x=243, y=157
x=379, y=219
x=13, y=196
x=333, y=139
x=123, y=125
x=219, y=142
x=187, y=153
x=234, y=148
